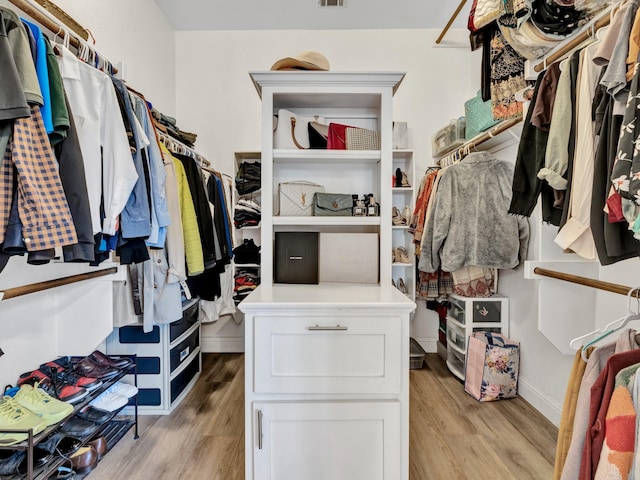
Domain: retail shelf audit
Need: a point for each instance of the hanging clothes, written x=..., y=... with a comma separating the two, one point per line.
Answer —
x=507, y=78
x=192, y=245
x=468, y=224
x=526, y=186
x=582, y=422
x=576, y=234
x=109, y=170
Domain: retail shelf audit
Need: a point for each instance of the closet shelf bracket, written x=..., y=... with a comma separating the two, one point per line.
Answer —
x=57, y=282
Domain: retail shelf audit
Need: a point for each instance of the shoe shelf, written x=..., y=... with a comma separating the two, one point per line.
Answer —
x=43, y=472
x=403, y=197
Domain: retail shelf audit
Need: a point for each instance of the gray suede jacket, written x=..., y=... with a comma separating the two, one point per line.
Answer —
x=468, y=224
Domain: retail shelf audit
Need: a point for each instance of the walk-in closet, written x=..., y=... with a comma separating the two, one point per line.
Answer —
x=330, y=240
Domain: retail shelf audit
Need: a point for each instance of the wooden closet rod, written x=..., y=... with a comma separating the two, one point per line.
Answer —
x=589, y=282
x=450, y=22
x=58, y=282
x=55, y=27
x=501, y=127
x=45, y=20
x=574, y=42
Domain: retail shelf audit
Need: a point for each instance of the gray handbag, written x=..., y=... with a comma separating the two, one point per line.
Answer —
x=332, y=204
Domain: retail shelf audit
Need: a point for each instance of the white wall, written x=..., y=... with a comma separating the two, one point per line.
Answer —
x=138, y=34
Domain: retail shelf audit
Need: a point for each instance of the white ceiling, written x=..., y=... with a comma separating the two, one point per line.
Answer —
x=307, y=15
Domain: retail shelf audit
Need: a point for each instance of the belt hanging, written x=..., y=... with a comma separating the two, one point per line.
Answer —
x=135, y=278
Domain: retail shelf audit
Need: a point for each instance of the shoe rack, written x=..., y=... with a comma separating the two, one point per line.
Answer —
x=403, y=192
x=113, y=430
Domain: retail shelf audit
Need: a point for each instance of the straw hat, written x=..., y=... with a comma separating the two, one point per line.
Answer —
x=305, y=61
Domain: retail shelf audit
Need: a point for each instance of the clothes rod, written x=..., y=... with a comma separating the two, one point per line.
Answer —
x=58, y=282
x=45, y=21
x=574, y=42
x=450, y=22
x=589, y=282
x=489, y=134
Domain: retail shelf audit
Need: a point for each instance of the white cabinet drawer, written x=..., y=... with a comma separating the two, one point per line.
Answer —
x=326, y=440
x=322, y=354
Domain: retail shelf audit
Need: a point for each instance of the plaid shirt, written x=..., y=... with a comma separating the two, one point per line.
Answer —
x=42, y=205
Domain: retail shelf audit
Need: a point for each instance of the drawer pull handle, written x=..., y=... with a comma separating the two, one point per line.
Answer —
x=323, y=329
x=259, y=429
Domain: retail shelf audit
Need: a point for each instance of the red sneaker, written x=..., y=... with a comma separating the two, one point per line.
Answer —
x=52, y=383
x=64, y=367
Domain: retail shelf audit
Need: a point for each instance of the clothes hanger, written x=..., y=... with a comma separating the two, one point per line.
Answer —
x=611, y=327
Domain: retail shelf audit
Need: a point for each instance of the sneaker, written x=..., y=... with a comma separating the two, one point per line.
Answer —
x=14, y=416
x=10, y=460
x=64, y=367
x=109, y=401
x=50, y=409
x=54, y=384
x=124, y=389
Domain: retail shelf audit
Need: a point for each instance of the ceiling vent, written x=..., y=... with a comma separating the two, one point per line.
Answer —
x=332, y=3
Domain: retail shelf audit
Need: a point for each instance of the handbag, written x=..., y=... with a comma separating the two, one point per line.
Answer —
x=332, y=204
x=297, y=198
x=291, y=131
x=318, y=135
x=478, y=116
x=362, y=139
x=337, y=136
x=491, y=366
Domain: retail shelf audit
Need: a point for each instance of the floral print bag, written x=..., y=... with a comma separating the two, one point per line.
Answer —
x=491, y=367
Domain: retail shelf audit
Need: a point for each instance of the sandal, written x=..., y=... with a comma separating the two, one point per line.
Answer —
x=401, y=179
x=404, y=182
x=400, y=255
x=397, y=218
x=402, y=287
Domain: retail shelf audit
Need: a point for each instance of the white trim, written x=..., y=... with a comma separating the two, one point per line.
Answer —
x=540, y=401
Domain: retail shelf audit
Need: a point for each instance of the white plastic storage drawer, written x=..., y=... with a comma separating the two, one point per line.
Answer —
x=316, y=354
x=456, y=336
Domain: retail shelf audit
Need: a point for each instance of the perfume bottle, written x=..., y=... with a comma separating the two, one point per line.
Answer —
x=373, y=208
x=359, y=209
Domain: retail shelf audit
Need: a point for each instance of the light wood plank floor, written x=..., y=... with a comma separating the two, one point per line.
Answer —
x=452, y=436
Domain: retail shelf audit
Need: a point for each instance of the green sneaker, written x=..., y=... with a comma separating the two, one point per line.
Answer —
x=14, y=416
x=50, y=409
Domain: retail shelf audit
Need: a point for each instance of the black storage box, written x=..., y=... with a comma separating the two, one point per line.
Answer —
x=296, y=257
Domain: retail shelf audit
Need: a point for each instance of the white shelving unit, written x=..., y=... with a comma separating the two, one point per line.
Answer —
x=401, y=237
x=328, y=362
x=470, y=314
x=246, y=232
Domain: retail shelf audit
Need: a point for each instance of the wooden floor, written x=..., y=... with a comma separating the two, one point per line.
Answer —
x=452, y=436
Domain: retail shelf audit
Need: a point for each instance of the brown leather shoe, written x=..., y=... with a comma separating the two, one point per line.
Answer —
x=88, y=368
x=100, y=445
x=107, y=361
x=84, y=460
